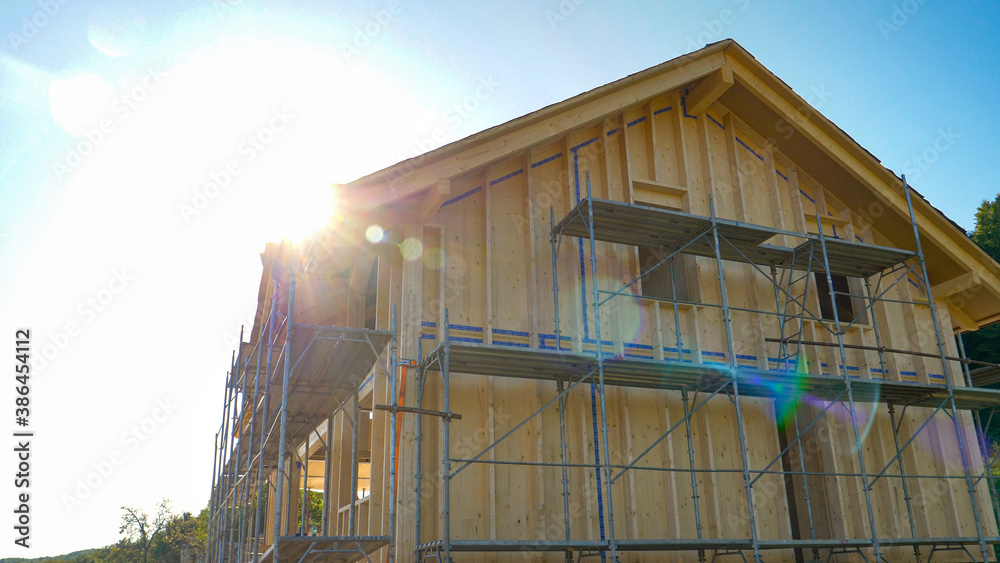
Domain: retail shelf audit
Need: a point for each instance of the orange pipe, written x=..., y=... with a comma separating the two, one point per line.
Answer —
x=399, y=425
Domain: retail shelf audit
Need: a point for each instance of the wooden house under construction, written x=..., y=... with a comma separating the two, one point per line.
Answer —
x=680, y=317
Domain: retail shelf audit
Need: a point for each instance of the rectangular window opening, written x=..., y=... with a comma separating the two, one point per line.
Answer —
x=656, y=281
x=849, y=307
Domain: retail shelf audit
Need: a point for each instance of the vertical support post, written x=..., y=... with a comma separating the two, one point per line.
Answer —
x=966, y=371
x=801, y=314
x=606, y=466
x=234, y=458
x=850, y=392
x=223, y=463
x=446, y=438
x=782, y=355
x=352, y=508
x=253, y=430
x=878, y=337
x=728, y=321
x=805, y=482
x=394, y=402
x=560, y=387
x=283, y=413
x=418, y=477
x=264, y=417
x=306, y=504
x=234, y=519
x=554, y=240
x=947, y=376
x=694, y=474
x=902, y=478
x=677, y=313
x=327, y=484
x=980, y=428
x=212, y=505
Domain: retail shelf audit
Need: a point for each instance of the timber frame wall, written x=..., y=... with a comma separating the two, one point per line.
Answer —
x=534, y=400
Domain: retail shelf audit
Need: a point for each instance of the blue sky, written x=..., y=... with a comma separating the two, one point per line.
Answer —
x=147, y=152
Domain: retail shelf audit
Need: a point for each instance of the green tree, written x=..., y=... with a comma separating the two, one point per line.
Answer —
x=140, y=532
x=315, y=499
x=984, y=344
x=987, y=231
x=180, y=532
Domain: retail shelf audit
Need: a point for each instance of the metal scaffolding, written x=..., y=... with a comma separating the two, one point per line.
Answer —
x=790, y=271
x=282, y=388
x=292, y=377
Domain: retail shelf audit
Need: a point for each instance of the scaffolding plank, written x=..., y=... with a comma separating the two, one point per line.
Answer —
x=691, y=544
x=854, y=259
x=335, y=356
x=639, y=225
x=530, y=363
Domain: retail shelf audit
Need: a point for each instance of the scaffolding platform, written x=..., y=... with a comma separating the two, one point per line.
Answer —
x=329, y=364
x=552, y=365
x=339, y=549
x=338, y=357
x=690, y=544
x=639, y=225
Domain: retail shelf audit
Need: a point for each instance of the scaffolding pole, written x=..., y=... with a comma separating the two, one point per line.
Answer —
x=283, y=413
x=232, y=537
x=727, y=319
x=947, y=375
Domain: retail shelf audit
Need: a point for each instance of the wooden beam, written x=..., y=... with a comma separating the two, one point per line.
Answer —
x=660, y=187
x=962, y=321
x=433, y=199
x=964, y=282
x=530, y=213
x=708, y=90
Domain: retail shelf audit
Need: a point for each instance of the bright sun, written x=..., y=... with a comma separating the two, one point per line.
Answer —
x=249, y=136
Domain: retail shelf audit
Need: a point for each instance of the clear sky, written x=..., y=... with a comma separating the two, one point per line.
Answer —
x=148, y=151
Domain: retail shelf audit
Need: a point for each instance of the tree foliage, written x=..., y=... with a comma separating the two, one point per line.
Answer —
x=160, y=538
x=984, y=344
x=315, y=499
x=987, y=231
x=140, y=532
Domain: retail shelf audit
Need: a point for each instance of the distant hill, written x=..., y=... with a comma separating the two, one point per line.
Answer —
x=75, y=556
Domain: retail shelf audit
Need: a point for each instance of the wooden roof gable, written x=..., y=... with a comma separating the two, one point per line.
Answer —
x=962, y=273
